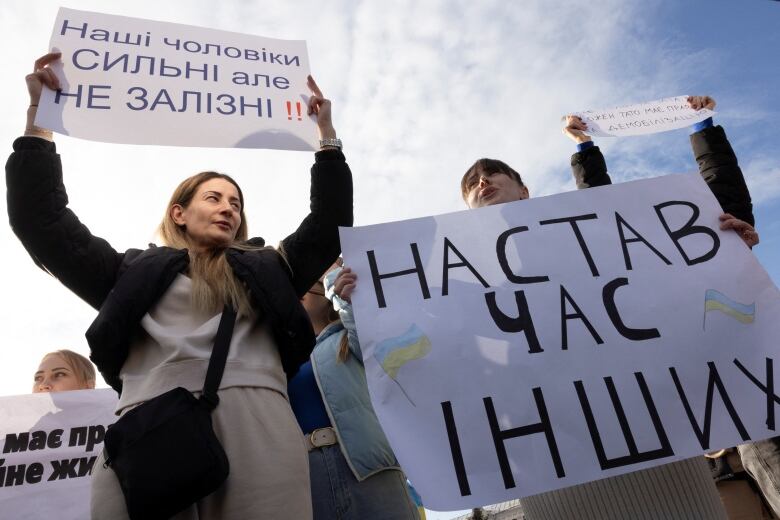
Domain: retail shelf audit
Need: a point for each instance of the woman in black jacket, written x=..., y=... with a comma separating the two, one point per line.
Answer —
x=159, y=308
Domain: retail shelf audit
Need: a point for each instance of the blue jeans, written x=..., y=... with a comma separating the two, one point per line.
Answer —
x=337, y=495
x=762, y=462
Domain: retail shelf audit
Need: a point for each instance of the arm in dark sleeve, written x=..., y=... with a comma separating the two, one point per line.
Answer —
x=718, y=165
x=314, y=246
x=55, y=238
x=589, y=168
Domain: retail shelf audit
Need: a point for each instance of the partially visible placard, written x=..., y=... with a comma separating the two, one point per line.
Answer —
x=49, y=443
x=652, y=117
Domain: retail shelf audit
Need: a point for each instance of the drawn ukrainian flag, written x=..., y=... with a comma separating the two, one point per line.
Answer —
x=717, y=301
x=393, y=353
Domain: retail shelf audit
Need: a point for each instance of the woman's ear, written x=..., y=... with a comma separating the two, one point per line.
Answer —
x=177, y=214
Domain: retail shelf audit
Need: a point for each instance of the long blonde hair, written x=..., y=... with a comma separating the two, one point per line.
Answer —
x=213, y=282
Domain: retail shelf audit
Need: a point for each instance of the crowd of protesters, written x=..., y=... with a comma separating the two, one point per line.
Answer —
x=294, y=377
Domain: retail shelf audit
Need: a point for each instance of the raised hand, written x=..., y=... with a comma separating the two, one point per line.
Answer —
x=699, y=102
x=42, y=75
x=320, y=106
x=575, y=129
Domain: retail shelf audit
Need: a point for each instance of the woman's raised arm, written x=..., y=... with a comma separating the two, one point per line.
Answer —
x=37, y=207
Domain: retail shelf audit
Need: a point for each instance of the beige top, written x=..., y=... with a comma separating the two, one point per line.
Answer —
x=174, y=347
x=682, y=490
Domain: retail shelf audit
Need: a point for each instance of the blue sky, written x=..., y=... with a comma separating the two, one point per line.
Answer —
x=421, y=89
x=732, y=49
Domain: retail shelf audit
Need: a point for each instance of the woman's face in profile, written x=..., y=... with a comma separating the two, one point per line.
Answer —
x=55, y=375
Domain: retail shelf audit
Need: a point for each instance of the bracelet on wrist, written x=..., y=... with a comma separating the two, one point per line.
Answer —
x=331, y=143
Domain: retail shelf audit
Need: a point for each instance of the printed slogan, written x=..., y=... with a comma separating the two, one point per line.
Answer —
x=134, y=81
x=50, y=442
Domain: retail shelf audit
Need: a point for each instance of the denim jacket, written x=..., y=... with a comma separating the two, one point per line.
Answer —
x=345, y=394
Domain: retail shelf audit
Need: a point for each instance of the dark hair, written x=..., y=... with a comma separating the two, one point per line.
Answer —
x=489, y=166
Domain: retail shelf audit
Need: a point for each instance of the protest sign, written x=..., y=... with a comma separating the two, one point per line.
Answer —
x=135, y=81
x=539, y=344
x=50, y=441
x=645, y=118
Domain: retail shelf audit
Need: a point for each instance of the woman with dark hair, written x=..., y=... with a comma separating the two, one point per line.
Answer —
x=159, y=308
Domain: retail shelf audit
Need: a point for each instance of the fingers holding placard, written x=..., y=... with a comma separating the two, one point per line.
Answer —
x=321, y=107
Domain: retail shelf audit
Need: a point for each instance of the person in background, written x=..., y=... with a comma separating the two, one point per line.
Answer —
x=738, y=491
x=354, y=473
x=63, y=370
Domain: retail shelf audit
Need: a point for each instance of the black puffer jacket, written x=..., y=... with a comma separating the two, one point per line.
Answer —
x=124, y=286
x=717, y=164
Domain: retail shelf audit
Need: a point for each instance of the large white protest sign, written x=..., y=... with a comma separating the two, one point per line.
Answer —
x=49, y=444
x=645, y=118
x=539, y=344
x=129, y=80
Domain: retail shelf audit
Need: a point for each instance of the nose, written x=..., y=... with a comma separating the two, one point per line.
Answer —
x=483, y=181
x=226, y=208
x=44, y=386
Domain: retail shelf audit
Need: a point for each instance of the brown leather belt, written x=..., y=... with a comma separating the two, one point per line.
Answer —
x=320, y=437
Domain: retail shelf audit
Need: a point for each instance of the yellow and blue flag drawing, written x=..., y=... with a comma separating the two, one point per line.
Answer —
x=393, y=353
x=717, y=301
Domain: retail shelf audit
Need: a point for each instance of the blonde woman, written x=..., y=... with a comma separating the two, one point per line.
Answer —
x=63, y=370
x=160, y=307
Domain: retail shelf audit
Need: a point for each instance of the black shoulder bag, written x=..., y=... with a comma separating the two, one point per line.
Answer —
x=165, y=452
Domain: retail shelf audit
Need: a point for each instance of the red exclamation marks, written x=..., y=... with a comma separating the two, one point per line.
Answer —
x=297, y=109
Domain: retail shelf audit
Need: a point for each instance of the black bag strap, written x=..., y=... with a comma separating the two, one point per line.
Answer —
x=218, y=358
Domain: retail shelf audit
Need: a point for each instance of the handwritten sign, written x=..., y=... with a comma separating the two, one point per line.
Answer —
x=539, y=344
x=49, y=444
x=646, y=118
x=128, y=80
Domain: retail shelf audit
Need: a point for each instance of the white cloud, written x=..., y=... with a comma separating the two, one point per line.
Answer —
x=762, y=175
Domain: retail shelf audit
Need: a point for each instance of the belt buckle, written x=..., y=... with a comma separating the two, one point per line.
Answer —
x=314, y=442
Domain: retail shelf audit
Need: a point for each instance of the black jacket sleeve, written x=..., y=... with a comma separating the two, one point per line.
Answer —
x=314, y=246
x=718, y=165
x=589, y=168
x=55, y=238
